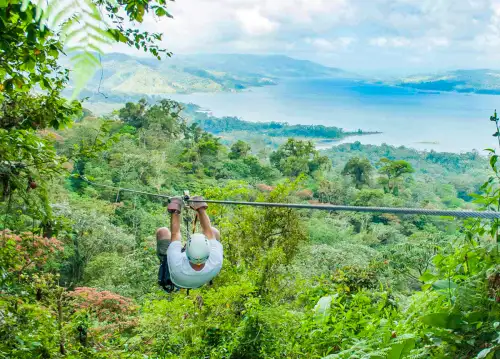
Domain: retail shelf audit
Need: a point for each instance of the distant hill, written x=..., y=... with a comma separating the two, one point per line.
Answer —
x=126, y=78
x=482, y=81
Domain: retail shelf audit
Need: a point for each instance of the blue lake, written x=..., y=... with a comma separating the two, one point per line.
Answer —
x=423, y=120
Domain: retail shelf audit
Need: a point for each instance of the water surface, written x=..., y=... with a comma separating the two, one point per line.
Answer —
x=423, y=120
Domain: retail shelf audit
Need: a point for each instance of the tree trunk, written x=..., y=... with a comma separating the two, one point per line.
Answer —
x=60, y=318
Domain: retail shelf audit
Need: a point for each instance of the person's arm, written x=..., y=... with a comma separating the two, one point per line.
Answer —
x=175, y=226
x=205, y=224
x=174, y=208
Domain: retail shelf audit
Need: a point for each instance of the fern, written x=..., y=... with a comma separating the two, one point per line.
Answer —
x=82, y=29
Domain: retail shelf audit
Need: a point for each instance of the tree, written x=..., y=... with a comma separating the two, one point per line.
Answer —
x=359, y=169
x=394, y=170
x=201, y=154
x=296, y=157
x=192, y=132
x=249, y=167
x=165, y=118
x=32, y=39
x=239, y=149
x=133, y=114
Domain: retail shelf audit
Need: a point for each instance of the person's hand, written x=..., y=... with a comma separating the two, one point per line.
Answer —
x=198, y=205
x=175, y=205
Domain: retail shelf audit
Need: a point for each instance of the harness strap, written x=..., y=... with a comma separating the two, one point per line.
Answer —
x=195, y=221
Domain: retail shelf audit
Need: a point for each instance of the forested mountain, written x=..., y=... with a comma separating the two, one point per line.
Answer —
x=481, y=81
x=125, y=77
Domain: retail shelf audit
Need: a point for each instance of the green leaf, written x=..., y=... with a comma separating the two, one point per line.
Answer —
x=493, y=160
x=54, y=53
x=25, y=4
x=444, y=284
x=484, y=353
x=38, y=13
x=160, y=11
x=401, y=349
x=8, y=84
x=62, y=14
x=427, y=277
x=46, y=84
x=118, y=35
x=443, y=320
x=476, y=317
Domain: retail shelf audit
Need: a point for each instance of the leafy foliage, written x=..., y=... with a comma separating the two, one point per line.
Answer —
x=294, y=284
x=359, y=169
x=239, y=150
x=393, y=170
x=296, y=157
x=85, y=27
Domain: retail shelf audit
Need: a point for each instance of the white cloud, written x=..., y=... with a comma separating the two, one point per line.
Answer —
x=361, y=30
x=439, y=41
x=346, y=41
x=390, y=42
x=379, y=41
x=321, y=44
x=330, y=45
x=253, y=23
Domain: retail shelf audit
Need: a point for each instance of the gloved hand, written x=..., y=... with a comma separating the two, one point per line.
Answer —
x=198, y=205
x=175, y=205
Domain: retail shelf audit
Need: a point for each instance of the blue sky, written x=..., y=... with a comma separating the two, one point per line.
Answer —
x=372, y=36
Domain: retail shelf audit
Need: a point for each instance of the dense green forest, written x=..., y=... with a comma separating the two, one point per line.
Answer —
x=295, y=283
x=78, y=260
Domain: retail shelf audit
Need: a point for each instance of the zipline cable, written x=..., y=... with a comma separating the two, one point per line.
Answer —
x=327, y=207
x=120, y=189
x=392, y=210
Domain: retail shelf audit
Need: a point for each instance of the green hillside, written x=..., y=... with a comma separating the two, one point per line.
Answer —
x=124, y=77
x=482, y=81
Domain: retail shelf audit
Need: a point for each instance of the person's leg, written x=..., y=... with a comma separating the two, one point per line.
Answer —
x=163, y=238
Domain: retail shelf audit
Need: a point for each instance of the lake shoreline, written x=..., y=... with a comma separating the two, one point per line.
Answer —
x=444, y=122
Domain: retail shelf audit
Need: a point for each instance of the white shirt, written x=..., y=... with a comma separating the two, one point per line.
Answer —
x=181, y=272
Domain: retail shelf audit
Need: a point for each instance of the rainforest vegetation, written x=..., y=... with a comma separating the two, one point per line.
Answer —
x=77, y=254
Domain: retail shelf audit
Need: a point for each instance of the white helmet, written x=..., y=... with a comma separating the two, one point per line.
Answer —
x=198, y=249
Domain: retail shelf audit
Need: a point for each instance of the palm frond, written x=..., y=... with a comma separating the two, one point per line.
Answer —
x=82, y=29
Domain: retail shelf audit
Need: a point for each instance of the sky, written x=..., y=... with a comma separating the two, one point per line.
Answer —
x=372, y=36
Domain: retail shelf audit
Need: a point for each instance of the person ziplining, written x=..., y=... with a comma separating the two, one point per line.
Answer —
x=201, y=259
